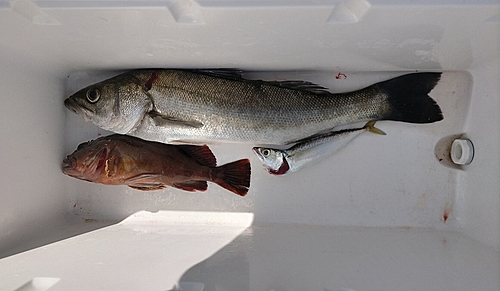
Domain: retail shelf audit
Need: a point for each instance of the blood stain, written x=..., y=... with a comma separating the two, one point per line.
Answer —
x=445, y=215
x=340, y=75
x=152, y=79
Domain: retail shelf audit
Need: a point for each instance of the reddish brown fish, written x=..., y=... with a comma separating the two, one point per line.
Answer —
x=145, y=165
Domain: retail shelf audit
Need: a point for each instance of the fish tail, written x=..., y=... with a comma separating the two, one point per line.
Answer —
x=409, y=99
x=234, y=176
x=370, y=125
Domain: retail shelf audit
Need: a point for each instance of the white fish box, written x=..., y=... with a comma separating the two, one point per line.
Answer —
x=384, y=213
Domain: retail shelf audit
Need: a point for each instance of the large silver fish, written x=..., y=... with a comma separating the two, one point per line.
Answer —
x=219, y=105
x=305, y=152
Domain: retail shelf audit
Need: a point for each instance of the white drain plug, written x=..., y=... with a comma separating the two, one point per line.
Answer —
x=462, y=151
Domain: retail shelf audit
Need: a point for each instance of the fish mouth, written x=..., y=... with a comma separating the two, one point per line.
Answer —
x=77, y=108
x=67, y=164
x=71, y=105
x=256, y=151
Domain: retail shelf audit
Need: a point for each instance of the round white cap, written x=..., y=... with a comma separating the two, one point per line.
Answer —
x=462, y=151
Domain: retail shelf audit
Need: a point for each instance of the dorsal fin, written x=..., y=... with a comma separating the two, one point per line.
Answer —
x=223, y=73
x=202, y=154
x=301, y=86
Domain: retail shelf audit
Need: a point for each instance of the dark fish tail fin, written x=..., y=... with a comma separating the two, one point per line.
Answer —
x=234, y=176
x=409, y=99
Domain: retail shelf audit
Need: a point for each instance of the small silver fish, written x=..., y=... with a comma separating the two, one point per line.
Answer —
x=306, y=151
x=199, y=106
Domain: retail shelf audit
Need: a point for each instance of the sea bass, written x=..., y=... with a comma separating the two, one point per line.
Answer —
x=145, y=165
x=199, y=106
x=305, y=152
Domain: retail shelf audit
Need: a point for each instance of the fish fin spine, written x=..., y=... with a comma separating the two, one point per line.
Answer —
x=234, y=176
x=409, y=99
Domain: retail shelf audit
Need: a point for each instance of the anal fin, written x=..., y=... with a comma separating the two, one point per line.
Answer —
x=192, y=186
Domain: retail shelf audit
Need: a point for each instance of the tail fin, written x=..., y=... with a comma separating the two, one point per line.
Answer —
x=409, y=99
x=370, y=125
x=234, y=176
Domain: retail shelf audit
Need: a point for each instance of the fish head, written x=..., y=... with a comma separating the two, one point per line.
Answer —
x=88, y=161
x=274, y=160
x=117, y=104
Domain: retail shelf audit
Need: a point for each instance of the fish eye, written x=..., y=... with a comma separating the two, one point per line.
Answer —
x=266, y=152
x=93, y=95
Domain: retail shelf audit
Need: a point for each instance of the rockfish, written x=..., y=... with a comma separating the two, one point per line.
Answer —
x=198, y=106
x=305, y=152
x=146, y=165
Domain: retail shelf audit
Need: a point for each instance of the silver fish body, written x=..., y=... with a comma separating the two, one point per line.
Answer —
x=307, y=151
x=211, y=105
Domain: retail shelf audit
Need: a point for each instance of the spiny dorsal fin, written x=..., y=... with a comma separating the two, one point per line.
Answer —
x=202, y=154
x=223, y=73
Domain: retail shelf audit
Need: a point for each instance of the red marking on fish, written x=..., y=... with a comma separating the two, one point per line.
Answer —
x=282, y=170
x=340, y=75
x=152, y=79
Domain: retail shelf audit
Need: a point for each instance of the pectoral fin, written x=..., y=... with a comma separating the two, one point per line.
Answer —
x=145, y=182
x=163, y=120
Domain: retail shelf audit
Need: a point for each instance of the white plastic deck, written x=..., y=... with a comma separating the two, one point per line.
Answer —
x=193, y=251
x=382, y=214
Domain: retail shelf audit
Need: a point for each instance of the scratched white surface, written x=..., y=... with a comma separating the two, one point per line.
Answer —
x=379, y=186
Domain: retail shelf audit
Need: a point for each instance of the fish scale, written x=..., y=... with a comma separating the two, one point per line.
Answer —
x=210, y=105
